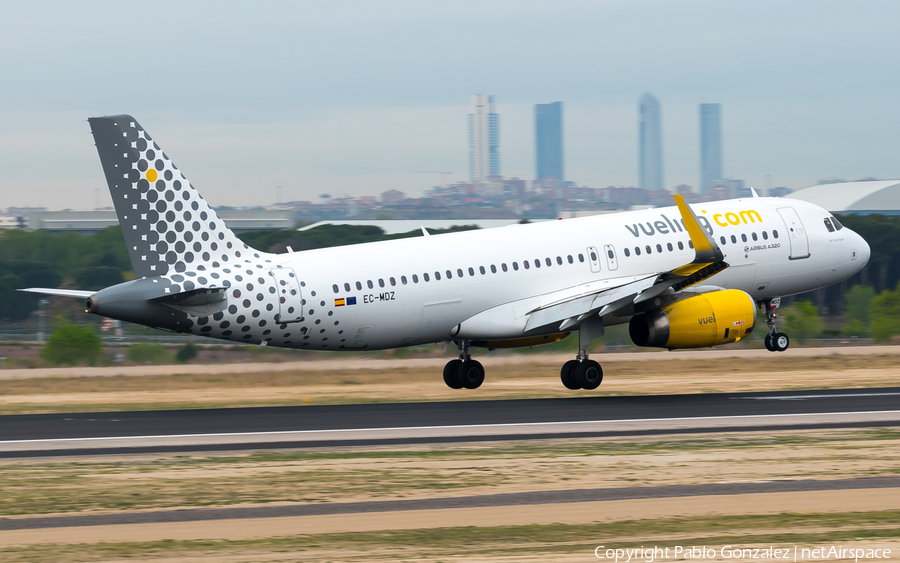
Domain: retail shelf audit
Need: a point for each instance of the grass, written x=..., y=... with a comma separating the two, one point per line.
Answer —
x=501, y=542
x=165, y=481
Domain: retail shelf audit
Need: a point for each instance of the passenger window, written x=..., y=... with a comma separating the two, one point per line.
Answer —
x=335, y=288
x=415, y=278
x=437, y=276
x=516, y=266
x=734, y=239
x=659, y=248
x=722, y=240
x=593, y=256
x=559, y=260
x=537, y=262
x=403, y=280
x=691, y=244
x=753, y=235
x=346, y=286
x=765, y=235
x=743, y=237
x=637, y=250
x=526, y=264
x=380, y=282
x=425, y=277
x=570, y=259
x=581, y=257
x=647, y=248
x=668, y=245
x=459, y=272
x=503, y=267
x=481, y=269
x=493, y=269
x=358, y=286
x=393, y=281
x=471, y=272
x=548, y=261
x=370, y=284
x=627, y=253
x=449, y=275
x=774, y=233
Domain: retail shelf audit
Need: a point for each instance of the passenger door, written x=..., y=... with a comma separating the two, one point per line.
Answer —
x=611, y=261
x=796, y=233
x=593, y=258
x=290, y=302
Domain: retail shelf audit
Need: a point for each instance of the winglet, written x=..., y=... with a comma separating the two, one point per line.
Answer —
x=705, y=246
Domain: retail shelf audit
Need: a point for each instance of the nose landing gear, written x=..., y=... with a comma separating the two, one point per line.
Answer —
x=464, y=372
x=774, y=341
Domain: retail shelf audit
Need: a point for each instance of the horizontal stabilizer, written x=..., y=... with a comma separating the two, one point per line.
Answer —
x=62, y=292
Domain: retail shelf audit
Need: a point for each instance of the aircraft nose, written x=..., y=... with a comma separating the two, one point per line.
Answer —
x=863, y=252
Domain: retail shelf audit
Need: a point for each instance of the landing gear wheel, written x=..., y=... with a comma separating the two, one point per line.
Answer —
x=780, y=341
x=470, y=374
x=567, y=374
x=588, y=374
x=770, y=346
x=450, y=374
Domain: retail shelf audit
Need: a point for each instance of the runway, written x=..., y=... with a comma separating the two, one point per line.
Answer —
x=338, y=425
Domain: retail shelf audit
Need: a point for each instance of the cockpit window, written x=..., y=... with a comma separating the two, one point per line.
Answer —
x=837, y=224
x=828, y=225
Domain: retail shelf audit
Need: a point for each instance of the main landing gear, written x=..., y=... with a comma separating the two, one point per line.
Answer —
x=775, y=341
x=582, y=373
x=464, y=372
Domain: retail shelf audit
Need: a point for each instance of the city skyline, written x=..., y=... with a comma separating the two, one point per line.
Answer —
x=484, y=139
x=352, y=98
x=548, y=141
x=710, y=146
x=650, y=146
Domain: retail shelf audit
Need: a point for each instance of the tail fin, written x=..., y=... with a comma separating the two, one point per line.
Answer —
x=167, y=225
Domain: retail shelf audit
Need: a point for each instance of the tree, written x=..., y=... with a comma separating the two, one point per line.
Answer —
x=885, y=313
x=98, y=277
x=857, y=311
x=803, y=321
x=72, y=344
x=186, y=352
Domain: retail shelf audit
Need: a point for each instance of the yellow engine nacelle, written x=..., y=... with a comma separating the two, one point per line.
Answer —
x=708, y=319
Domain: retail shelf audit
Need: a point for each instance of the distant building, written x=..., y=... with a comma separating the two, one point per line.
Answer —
x=484, y=139
x=548, y=137
x=779, y=192
x=863, y=197
x=392, y=196
x=650, y=144
x=710, y=146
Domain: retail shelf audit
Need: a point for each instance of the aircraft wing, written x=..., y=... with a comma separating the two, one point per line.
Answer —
x=708, y=261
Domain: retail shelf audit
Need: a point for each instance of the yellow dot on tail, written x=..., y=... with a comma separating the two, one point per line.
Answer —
x=151, y=175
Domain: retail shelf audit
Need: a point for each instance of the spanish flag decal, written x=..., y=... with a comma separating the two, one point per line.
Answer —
x=340, y=302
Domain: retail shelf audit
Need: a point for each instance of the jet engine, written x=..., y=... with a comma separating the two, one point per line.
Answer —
x=708, y=319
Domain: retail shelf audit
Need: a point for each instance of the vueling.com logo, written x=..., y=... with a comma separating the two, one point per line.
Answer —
x=668, y=225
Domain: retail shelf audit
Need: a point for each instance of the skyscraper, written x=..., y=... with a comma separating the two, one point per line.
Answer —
x=710, y=146
x=650, y=144
x=548, y=141
x=484, y=139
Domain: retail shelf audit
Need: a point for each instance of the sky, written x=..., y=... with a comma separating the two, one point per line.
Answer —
x=354, y=98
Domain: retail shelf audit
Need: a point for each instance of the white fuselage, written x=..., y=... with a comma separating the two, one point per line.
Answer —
x=398, y=293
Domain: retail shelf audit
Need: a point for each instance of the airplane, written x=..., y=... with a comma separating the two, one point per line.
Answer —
x=687, y=276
